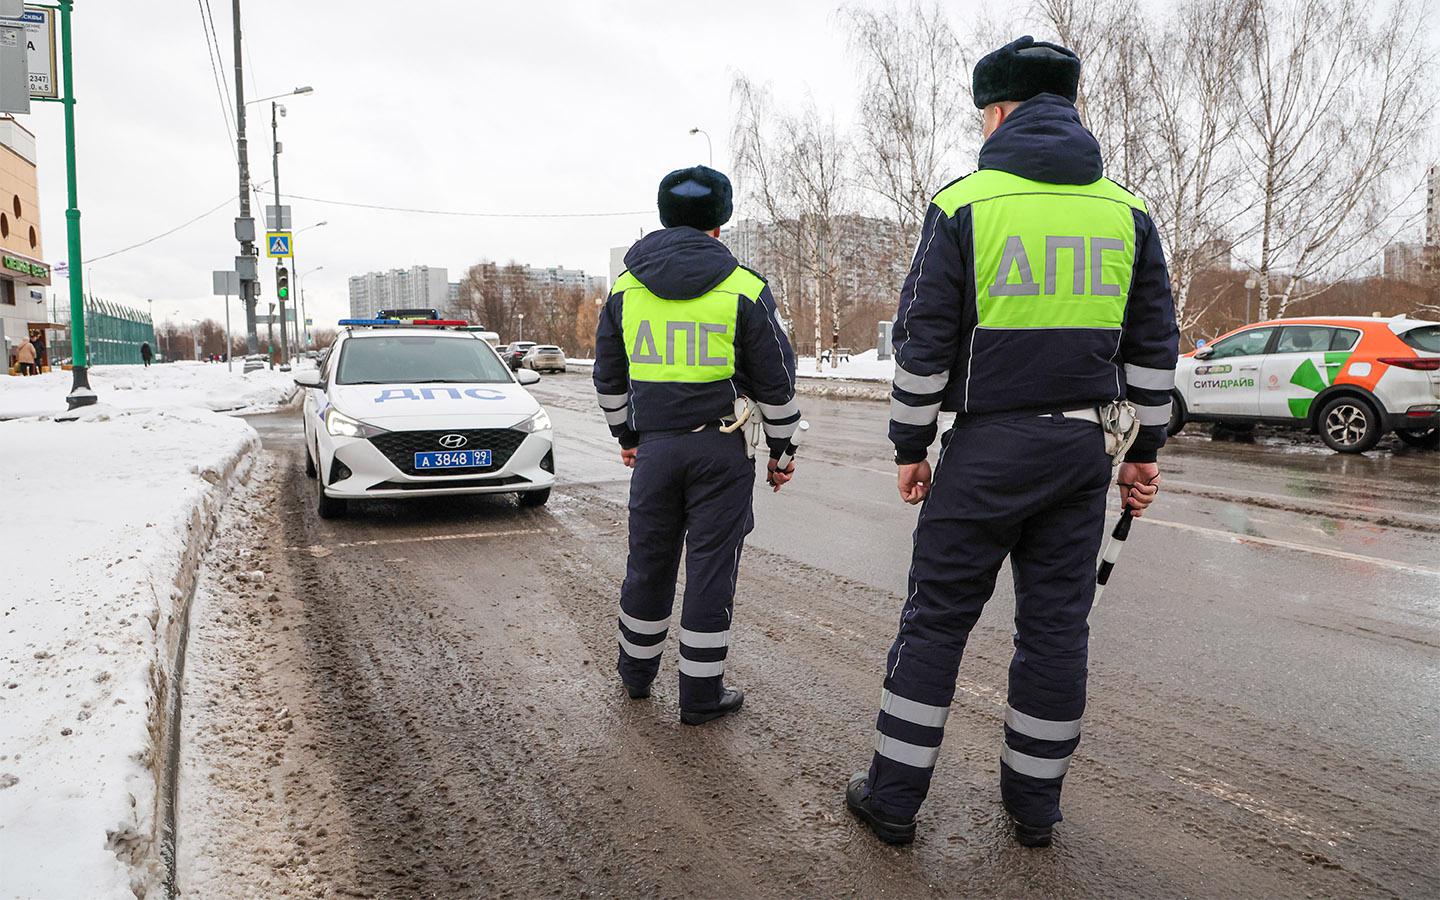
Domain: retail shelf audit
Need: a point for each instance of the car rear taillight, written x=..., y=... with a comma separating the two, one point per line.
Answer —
x=1412, y=362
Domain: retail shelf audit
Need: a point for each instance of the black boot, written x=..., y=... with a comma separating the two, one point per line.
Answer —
x=886, y=828
x=1033, y=835
x=636, y=691
x=731, y=699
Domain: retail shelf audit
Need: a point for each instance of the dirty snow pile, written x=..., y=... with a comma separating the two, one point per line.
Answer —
x=859, y=367
x=105, y=518
x=161, y=386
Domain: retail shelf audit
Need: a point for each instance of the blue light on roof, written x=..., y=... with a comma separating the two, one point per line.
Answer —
x=369, y=321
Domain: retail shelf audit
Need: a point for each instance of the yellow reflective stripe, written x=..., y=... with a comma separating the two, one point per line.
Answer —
x=625, y=282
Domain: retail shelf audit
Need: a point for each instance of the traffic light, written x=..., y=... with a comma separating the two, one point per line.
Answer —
x=282, y=283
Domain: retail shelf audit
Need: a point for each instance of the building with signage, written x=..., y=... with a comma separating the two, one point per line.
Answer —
x=418, y=287
x=23, y=272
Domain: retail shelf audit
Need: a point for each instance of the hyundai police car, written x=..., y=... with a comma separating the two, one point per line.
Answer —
x=1349, y=378
x=421, y=408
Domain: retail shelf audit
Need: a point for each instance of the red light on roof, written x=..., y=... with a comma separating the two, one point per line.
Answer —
x=440, y=322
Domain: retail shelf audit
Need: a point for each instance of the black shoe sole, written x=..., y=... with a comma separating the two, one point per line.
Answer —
x=890, y=833
x=1038, y=838
x=700, y=718
x=638, y=693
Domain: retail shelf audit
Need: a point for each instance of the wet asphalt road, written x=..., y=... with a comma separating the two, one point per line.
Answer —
x=1263, y=718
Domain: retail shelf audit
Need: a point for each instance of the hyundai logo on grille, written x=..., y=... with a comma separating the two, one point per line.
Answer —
x=452, y=441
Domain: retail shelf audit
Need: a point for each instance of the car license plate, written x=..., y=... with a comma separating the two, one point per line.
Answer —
x=452, y=459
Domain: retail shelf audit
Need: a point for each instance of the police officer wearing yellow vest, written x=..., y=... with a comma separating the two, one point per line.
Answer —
x=1037, y=299
x=686, y=332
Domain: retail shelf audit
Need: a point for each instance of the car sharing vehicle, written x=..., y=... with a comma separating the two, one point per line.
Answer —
x=545, y=358
x=407, y=410
x=1351, y=379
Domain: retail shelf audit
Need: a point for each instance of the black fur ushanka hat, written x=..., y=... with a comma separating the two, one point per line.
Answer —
x=1023, y=68
x=698, y=196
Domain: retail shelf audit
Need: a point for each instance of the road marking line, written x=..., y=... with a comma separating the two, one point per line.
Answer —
x=1291, y=545
x=322, y=550
x=1294, y=821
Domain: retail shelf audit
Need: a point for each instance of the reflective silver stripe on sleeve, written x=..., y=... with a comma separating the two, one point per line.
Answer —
x=1034, y=766
x=643, y=626
x=611, y=401
x=913, y=711
x=920, y=384
x=1153, y=415
x=902, y=752
x=1043, y=729
x=705, y=638
x=637, y=651
x=616, y=416
x=917, y=415
x=780, y=431
x=701, y=669
x=783, y=411
x=1150, y=379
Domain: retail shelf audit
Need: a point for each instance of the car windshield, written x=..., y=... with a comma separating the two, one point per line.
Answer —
x=1246, y=343
x=419, y=359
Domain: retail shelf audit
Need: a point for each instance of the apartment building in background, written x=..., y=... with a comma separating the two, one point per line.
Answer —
x=23, y=272
x=422, y=287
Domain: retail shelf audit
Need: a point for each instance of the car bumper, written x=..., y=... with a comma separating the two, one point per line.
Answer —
x=1420, y=418
x=372, y=474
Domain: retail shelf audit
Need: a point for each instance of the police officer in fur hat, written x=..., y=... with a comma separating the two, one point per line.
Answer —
x=1037, y=302
x=686, y=331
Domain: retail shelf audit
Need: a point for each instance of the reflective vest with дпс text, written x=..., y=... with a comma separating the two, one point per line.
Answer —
x=690, y=341
x=1048, y=255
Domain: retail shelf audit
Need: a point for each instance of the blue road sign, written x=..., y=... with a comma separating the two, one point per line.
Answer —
x=278, y=244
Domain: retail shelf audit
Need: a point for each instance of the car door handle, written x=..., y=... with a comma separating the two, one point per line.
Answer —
x=1248, y=368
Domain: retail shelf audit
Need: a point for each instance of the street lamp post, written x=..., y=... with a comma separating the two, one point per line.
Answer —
x=300, y=289
x=521, y=331
x=709, y=149
x=1250, y=285
x=275, y=176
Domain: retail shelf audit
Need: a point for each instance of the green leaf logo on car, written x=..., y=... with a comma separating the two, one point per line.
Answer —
x=1311, y=378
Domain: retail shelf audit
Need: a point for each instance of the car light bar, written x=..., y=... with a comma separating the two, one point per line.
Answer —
x=439, y=322
x=369, y=321
x=1423, y=364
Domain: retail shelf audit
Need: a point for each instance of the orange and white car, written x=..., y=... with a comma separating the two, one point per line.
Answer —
x=1351, y=379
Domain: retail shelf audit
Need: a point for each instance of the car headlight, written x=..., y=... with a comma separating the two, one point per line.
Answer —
x=538, y=422
x=341, y=425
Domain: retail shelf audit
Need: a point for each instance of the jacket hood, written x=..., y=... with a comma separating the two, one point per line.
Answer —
x=679, y=263
x=1043, y=140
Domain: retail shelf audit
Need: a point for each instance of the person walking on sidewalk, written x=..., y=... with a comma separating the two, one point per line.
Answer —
x=685, y=333
x=25, y=357
x=145, y=353
x=1037, y=309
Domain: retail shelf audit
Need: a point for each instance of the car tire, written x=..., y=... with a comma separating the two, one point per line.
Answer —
x=1177, y=416
x=1348, y=424
x=310, y=470
x=535, y=498
x=328, y=507
x=1422, y=438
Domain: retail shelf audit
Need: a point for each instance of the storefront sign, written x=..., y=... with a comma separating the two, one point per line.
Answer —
x=25, y=266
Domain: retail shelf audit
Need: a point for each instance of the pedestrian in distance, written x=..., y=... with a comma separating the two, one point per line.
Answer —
x=25, y=357
x=1037, y=301
x=145, y=353
x=685, y=332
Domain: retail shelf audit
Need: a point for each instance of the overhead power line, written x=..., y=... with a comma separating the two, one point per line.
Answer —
x=164, y=234
x=212, y=50
x=476, y=215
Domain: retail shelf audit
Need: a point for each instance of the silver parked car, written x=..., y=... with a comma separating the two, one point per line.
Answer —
x=545, y=358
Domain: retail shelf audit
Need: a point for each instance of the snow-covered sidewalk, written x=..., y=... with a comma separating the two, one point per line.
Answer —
x=859, y=367
x=106, y=517
x=161, y=386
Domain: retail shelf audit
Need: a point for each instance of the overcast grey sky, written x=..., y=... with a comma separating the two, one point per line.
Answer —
x=531, y=106
x=505, y=107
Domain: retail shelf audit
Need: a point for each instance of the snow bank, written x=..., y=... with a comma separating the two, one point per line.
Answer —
x=105, y=519
x=168, y=386
x=859, y=367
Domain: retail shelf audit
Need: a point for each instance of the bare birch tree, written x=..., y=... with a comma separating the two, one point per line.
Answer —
x=1336, y=103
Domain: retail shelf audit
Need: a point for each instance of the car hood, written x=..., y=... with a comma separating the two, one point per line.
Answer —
x=435, y=405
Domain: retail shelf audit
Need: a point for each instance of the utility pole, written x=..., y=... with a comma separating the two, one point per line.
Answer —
x=245, y=225
x=275, y=175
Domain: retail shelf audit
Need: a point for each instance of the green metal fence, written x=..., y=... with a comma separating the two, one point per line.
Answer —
x=114, y=333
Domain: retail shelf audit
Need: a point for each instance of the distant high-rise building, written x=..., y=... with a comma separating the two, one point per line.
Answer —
x=1402, y=260
x=418, y=287
x=1432, y=207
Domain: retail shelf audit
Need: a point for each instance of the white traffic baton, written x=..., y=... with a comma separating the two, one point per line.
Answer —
x=787, y=455
x=1112, y=553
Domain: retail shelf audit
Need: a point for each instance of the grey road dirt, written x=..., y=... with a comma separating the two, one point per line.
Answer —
x=441, y=717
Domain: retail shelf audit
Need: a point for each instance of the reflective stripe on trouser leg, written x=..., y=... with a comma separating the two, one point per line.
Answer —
x=717, y=518
x=657, y=525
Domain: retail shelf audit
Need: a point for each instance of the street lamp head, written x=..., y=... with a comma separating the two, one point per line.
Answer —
x=695, y=130
x=318, y=224
x=1250, y=284
x=304, y=90
x=281, y=108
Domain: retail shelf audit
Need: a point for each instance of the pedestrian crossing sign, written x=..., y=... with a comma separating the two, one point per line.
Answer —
x=278, y=244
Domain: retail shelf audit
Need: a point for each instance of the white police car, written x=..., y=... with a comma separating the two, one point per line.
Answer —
x=421, y=408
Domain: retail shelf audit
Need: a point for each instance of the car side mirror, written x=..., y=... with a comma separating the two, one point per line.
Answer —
x=527, y=376
x=1204, y=353
x=310, y=378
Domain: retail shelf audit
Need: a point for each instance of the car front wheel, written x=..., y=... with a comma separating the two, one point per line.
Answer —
x=1177, y=416
x=327, y=507
x=535, y=498
x=1349, y=425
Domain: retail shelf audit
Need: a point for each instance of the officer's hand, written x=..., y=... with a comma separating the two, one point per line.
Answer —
x=1139, y=483
x=628, y=456
x=915, y=481
x=778, y=478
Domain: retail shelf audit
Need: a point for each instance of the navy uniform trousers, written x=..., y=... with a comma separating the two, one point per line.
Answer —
x=1033, y=489
x=691, y=490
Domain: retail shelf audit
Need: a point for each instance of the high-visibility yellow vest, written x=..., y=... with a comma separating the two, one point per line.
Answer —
x=689, y=341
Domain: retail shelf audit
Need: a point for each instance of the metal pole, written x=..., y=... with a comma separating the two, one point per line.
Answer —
x=80, y=391
x=229, y=343
x=275, y=174
x=242, y=147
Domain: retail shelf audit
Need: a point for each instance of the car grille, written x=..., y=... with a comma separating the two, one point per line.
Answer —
x=400, y=448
